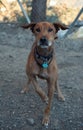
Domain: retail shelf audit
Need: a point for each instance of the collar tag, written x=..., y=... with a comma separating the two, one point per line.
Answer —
x=45, y=65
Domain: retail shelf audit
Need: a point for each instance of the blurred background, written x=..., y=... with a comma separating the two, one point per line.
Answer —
x=40, y=10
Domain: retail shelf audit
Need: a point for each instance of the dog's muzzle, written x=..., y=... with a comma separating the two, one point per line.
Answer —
x=44, y=43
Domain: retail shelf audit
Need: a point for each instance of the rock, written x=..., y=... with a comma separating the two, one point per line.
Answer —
x=61, y=33
x=77, y=34
x=30, y=121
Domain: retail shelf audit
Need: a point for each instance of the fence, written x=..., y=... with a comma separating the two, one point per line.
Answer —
x=52, y=8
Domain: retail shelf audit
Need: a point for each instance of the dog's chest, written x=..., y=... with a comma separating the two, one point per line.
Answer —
x=43, y=74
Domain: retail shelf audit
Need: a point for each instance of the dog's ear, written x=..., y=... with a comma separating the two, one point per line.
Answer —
x=31, y=26
x=59, y=26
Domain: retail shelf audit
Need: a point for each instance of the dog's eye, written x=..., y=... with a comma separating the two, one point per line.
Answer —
x=50, y=30
x=37, y=29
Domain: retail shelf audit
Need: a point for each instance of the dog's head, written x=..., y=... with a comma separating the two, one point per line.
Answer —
x=45, y=32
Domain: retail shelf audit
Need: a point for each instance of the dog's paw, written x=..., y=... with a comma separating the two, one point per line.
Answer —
x=23, y=91
x=61, y=98
x=45, y=121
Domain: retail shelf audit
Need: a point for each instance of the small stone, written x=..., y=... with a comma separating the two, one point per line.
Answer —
x=14, y=125
x=13, y=112
x=30, y=121
x=70, y=121
x=32, y=106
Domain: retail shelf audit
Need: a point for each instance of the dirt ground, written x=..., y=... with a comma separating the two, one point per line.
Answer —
x=25, y=111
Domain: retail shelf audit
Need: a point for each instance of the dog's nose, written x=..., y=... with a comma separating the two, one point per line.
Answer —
x=43, y=40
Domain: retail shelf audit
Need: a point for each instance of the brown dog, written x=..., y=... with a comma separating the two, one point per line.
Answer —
x=41, y=62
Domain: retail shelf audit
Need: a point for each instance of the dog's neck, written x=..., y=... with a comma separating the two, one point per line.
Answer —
x=43, y=56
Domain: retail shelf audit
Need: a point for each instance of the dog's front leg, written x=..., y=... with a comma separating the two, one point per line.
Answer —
x=51, y=89
x=26, y=87
x=38, y=89
x=60, y=95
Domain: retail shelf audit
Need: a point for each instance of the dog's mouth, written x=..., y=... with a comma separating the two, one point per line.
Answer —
x=44, y=43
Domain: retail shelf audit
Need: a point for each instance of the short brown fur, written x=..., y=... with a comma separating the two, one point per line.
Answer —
x=33, y=69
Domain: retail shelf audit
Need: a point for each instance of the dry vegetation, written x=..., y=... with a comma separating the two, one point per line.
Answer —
x=64, y=13
x=12, y=12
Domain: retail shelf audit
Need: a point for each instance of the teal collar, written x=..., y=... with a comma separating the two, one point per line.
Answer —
x=42, y=60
